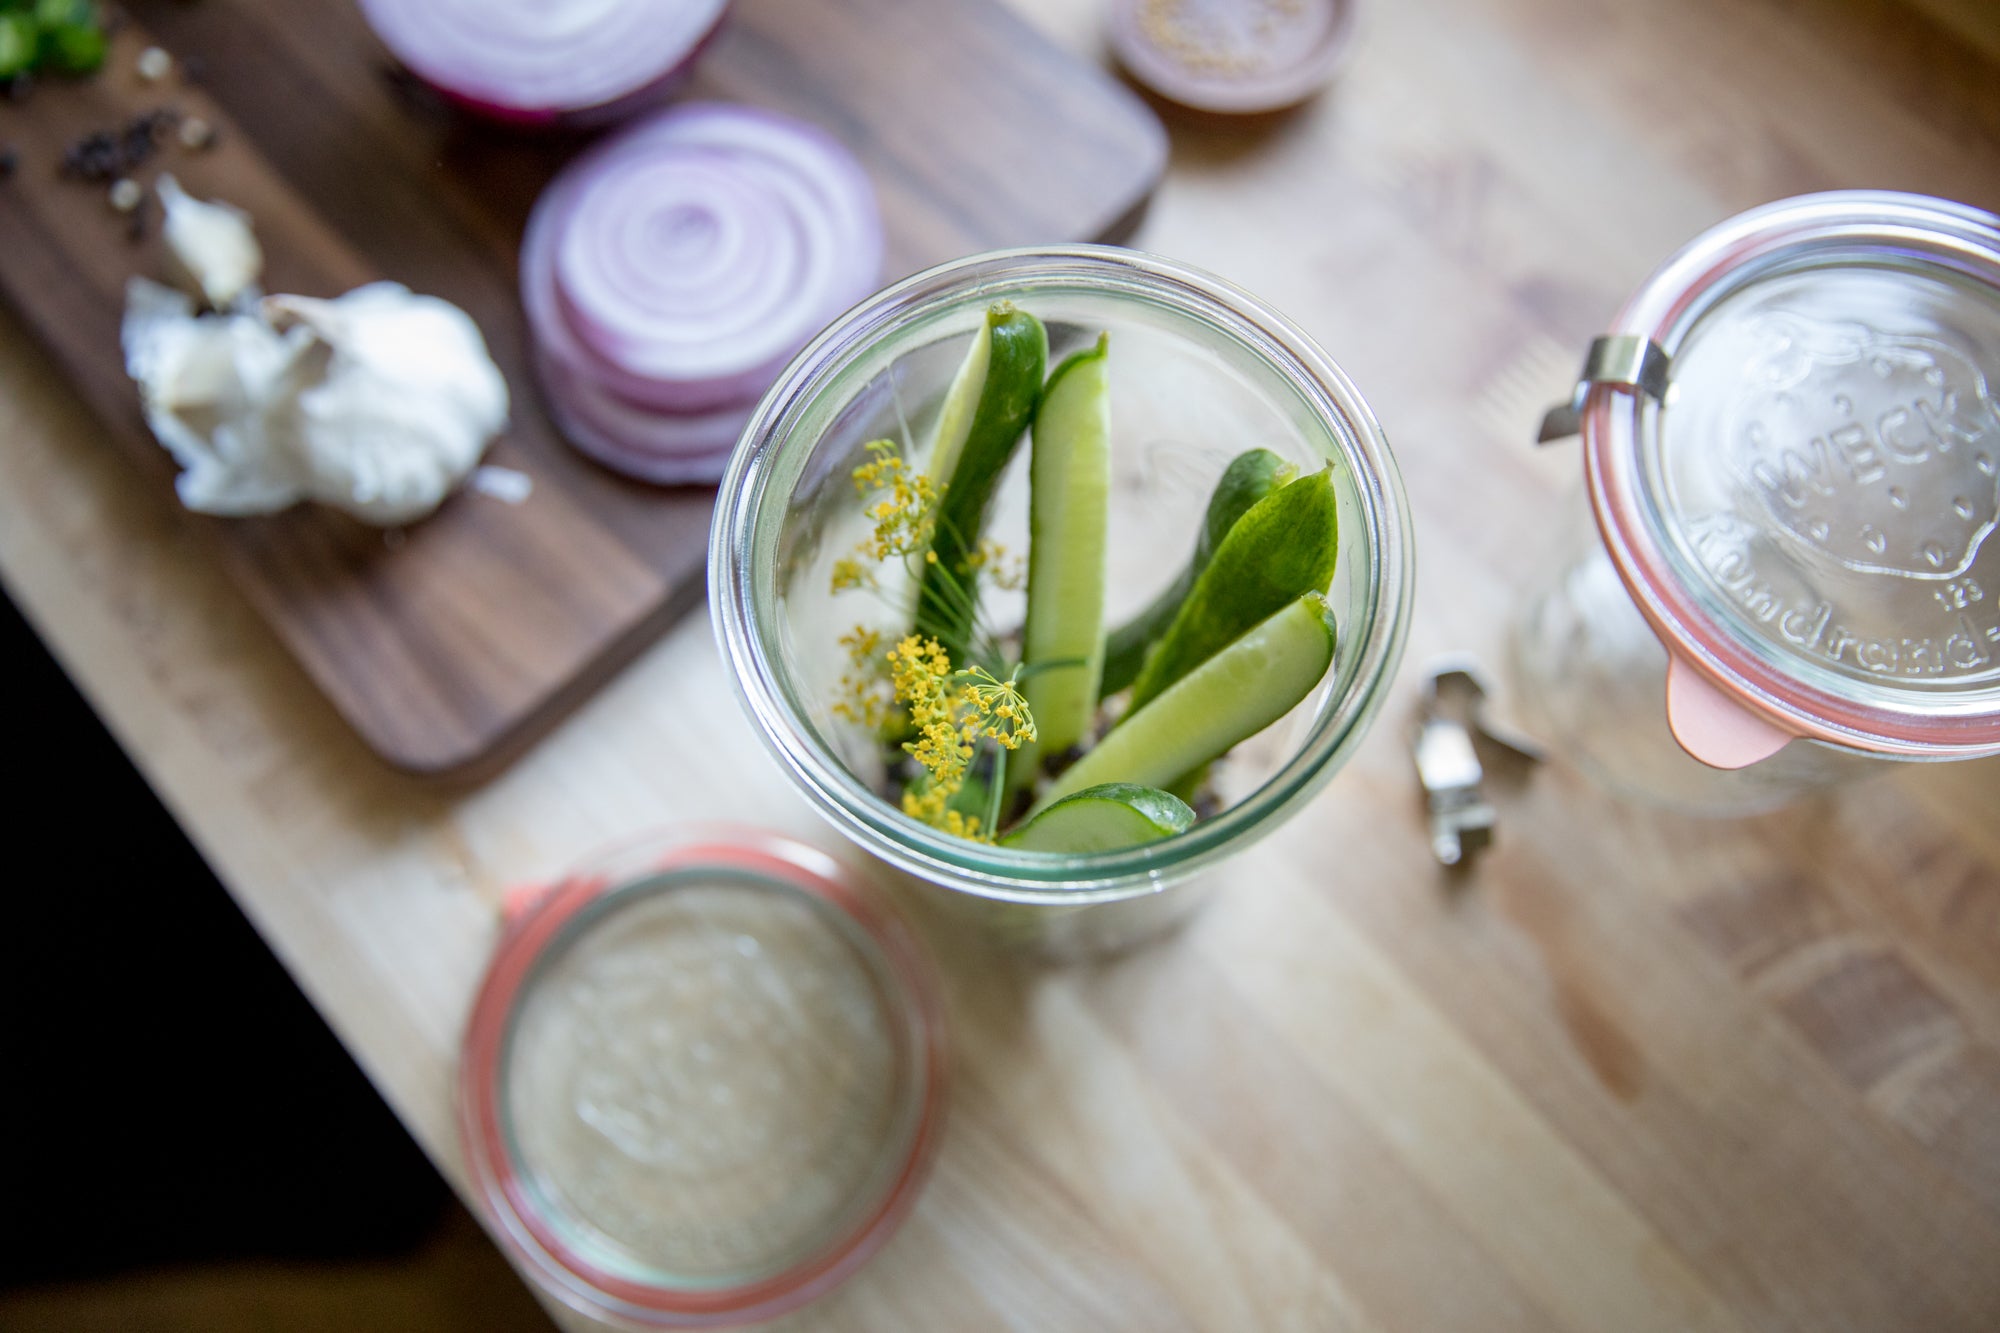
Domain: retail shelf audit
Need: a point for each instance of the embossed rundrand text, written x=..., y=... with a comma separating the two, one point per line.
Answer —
x=1815, y=626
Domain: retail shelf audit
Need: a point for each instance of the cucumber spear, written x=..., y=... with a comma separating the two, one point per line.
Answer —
x=1069, y=498
x=1250, y=477
x=1001, y=382
x=1285, y=546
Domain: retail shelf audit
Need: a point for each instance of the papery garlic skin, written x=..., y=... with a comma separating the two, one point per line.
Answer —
x=202, y=384
x=210, y=243
x=378, y=402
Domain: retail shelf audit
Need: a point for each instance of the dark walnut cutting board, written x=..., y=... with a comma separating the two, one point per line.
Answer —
x=452, y=644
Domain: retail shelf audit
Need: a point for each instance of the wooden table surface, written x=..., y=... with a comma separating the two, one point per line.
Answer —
x=1633, y=1072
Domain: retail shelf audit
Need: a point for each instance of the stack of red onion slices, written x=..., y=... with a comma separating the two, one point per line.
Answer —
x=532, y=62
x=671, y=271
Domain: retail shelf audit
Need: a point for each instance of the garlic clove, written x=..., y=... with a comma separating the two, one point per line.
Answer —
x=322, y=317
x=202, y=381
x=210, y=244
x=150, y=308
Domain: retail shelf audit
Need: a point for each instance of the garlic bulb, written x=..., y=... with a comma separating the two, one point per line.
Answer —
x=390, y=402
x=211, y=244
x=378, y=402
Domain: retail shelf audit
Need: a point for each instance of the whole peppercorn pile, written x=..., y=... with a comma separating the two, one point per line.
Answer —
x=108, y=155
x=70, y=37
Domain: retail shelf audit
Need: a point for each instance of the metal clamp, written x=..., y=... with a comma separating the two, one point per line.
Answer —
x=1624, y=360
x=1450, y=713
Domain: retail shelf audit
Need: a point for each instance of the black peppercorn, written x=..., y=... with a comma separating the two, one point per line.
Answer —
x=105, y=155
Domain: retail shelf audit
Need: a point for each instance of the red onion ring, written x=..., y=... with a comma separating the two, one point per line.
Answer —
x=670, y=273
x=533, y=62
x=665, y=448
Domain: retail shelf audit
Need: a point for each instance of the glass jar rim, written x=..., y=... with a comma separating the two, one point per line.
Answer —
x=1037, y=877
x=1719, y=262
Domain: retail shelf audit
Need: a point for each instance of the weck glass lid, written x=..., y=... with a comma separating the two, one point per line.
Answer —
x=702, y=1080
x=1804, y=504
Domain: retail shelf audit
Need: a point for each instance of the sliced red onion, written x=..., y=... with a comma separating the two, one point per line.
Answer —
x=536, y=61
x=670, y=273
x=667, y=448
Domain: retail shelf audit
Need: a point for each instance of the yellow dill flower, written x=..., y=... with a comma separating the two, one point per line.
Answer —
x=862, y=644
x=941, y=749
x=951, y=711
x=999, y=708
x=866, y=695
x=850, y=573
x=884, y=462
x=928, y=806
x=906, y=513
x=921, y=672
x=1004, y=570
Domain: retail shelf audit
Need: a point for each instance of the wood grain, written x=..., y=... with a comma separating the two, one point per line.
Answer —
x=449, y=645
x=1632, y=1071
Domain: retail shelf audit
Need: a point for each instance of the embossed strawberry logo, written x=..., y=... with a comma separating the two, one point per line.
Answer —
x=1876, y=450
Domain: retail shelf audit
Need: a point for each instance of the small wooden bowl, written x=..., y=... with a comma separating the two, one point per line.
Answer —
x=1236, y=57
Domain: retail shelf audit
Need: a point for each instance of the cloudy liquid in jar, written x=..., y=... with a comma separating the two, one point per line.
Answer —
x=707, y=1082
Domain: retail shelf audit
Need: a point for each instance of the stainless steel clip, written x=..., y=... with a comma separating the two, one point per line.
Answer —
x=1461, y=821
x=1625, y=360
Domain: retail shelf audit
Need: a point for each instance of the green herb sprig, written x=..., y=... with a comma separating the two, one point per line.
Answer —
x=61, y=36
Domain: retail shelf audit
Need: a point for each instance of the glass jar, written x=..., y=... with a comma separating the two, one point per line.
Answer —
x=703, y=1080
x=1790, y=452
x=1200, y=371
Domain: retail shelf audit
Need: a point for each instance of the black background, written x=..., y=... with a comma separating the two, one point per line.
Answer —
x=167, y=1094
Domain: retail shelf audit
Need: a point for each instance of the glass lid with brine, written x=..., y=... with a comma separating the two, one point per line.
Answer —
x=1797, y=474
x=702, y=1081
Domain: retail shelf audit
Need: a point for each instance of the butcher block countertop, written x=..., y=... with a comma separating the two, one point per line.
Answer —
x=1632, y=1071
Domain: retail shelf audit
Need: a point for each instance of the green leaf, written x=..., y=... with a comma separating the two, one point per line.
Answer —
x=74, y=48
x=17, y=44
x=65, y=14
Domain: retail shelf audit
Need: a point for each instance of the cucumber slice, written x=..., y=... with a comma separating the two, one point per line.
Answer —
x=1285, y=545
x=1229, y=698
x=1016, y=356
x=961, y=401
x=1069, y=497
x=1250, y=477
x=1103, y=819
